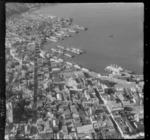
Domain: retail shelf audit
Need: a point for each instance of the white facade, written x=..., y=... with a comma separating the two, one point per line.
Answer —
x=9, y=111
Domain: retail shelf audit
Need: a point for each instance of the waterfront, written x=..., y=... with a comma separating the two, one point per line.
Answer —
x=114, y=35
x=55, y=99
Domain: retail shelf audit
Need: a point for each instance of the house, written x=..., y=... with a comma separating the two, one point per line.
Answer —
x=125, y=101
x=86, y=129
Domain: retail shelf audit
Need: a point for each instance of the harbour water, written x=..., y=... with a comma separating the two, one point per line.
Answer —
x=114, y=35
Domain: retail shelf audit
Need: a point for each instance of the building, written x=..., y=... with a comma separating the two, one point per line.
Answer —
x=85, y=129
x=9, y=112
x=125, y=101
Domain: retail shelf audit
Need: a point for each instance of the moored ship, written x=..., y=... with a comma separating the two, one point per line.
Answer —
x=80, y=27
x=68, y=55
x=61, y=47
x=114, y=69
x=72, y=49
x=72, y=30
x=51, y=39
x=76, y=50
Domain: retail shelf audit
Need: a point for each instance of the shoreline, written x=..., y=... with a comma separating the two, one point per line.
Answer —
x=34, y=9
x=59, y=80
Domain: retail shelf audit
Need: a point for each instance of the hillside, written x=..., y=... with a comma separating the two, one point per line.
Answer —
x=16, y=8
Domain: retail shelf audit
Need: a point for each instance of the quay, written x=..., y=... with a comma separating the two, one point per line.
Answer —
x=48, y=97
x=71, y=49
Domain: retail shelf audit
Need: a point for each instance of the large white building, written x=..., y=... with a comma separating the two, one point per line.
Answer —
x=114, y=69
x=9, y=111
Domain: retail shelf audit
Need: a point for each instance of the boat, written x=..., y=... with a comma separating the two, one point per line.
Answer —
x=62, y=32
x=66, y=35
x=69, y=63
x=77, y=51
x=53, y=40
x=111, y=35
x=72, y=31
x=64, y=29
x=58, y=34
x=54, y=50
x=67, y=49
x=69, y=55
x=73, y=50
x=85, y=70
x=60, y=38
x=85, y=28
x=77, y=66
x=80, y=27
x=61, y=60
x=61, y=47
x=58, y=51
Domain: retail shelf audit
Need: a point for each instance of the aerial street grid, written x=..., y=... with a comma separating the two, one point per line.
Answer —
x=49, y=95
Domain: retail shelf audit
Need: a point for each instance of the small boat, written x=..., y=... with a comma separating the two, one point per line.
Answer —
x=53, y=49
x=69, y=55
x=61, y=60
x=72, y=31
x=61, y=47
x=66, y=35
x=53, y=40
x=62, y=32
x=59, y=51
x=80, y=27
x=85, y=70
x=77, y=66
x=53, y=37
x=85, y=28
x=69, y=63
x=58, y=34
x=75, y=51
x=64, y=29
x=111, y=35
x=67, y=49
